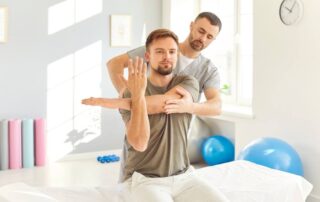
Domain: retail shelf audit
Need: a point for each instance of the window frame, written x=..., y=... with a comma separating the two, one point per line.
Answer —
x=237, y=56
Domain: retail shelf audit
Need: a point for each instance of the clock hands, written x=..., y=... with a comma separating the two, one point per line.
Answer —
x=290, y=9
x=293, y=5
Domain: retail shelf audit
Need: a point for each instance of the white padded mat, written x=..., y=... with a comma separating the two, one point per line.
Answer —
x=240, y=181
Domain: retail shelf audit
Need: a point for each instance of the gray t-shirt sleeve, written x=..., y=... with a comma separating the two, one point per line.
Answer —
x=137, y=52
x=190, y=84
x=212, y=79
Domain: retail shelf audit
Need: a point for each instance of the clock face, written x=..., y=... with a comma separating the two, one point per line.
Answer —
x=290, y=11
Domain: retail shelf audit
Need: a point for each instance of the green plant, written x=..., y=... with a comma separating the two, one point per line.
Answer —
x=226, y=89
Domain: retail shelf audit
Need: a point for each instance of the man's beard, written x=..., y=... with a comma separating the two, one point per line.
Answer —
x=164, y=71
x=196, y=45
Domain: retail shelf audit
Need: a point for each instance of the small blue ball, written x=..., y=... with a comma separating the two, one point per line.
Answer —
x=108, y=158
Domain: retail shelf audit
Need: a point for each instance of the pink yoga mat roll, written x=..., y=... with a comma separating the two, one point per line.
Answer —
x=40, y=142
x=15, y=159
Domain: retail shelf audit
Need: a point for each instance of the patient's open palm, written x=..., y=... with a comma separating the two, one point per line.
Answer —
x=137, y=79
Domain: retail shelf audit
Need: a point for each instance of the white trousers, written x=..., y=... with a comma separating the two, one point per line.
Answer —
x=187, y=187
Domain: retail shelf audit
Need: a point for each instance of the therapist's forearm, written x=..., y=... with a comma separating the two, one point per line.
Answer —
x=210, y=107
x=116, y=68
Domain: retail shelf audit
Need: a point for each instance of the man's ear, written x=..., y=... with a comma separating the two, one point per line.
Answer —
x=147, y=56
x=191, y=25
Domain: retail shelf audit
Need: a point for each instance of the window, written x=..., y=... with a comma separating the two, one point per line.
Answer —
x=232, y=51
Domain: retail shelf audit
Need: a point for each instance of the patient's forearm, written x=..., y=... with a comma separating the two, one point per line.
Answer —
x=112, y=103
x=116, y=103
x=155, y=103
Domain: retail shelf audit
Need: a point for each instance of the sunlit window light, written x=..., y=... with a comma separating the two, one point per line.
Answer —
x=70, y=12
x=71, y=79
x=61, y=16
x=86, y=9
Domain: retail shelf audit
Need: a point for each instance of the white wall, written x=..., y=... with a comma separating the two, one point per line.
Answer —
x=34, y=52
x=286, y=70
x=286, y=80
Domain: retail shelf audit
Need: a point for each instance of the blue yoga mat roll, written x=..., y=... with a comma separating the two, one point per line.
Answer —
x=4, y=145
x=28, y=143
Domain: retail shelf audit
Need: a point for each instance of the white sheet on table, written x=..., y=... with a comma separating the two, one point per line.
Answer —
x=244, y=181
x=240, y=181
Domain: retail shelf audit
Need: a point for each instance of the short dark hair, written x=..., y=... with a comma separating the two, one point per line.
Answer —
x=213, y=19
x=160, y=34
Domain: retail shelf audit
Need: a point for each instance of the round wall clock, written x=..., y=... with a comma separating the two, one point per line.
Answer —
x=290, y=11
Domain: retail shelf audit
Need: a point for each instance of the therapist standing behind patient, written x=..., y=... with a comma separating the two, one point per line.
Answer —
x=203, y=31
x=155, y=161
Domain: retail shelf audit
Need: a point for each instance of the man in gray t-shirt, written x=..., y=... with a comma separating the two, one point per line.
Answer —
x=155, y=162
x=166, y=154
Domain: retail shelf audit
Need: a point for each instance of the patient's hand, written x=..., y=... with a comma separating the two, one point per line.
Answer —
x=137, y=78
x=92, y=101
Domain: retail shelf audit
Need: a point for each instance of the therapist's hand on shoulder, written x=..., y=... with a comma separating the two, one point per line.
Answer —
x=182, y=105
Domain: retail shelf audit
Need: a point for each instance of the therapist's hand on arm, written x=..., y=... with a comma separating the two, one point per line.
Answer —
x=211, y=107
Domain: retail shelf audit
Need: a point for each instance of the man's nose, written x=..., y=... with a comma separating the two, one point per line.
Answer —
x=166, y=54
x=203, y=38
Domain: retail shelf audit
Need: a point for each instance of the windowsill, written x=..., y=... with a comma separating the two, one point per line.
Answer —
x=233, y=113
x=237, y=111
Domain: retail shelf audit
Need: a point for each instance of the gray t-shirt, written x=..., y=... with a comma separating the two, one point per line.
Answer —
x=166, y=154
x=201, y=68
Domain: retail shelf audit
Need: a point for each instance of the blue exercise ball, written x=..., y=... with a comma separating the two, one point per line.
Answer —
x=273, y=153
x=217, y=149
